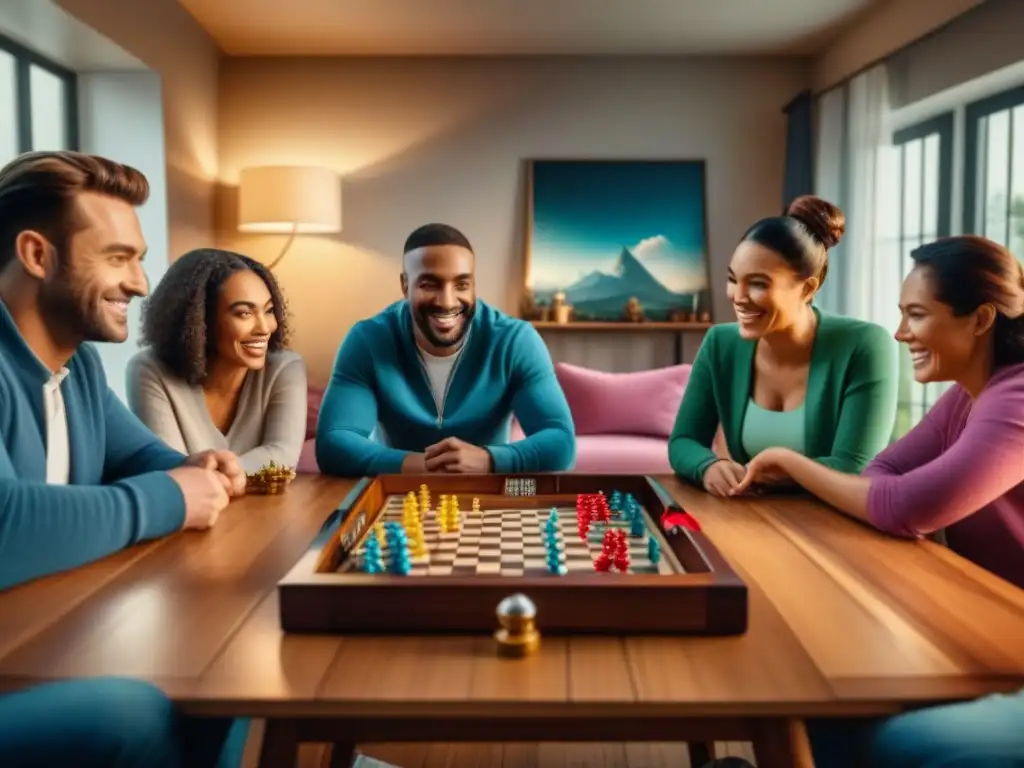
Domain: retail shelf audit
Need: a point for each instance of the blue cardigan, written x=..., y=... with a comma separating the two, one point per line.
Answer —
x=504, y=369
x=119, y=492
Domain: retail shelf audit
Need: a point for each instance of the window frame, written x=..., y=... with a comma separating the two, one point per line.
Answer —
x=974, y=112
x=24, y=59
x=943, y=125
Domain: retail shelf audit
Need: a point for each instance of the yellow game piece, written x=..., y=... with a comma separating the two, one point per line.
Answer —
x=476, y=506
x=417, y=543
x=378, y=531
x=454, y=522
x=444, y=514
x=412, y=523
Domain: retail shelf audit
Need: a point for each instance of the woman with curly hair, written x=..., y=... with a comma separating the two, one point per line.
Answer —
x=214, y=371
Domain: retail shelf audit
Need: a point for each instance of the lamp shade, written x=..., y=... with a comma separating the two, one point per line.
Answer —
x=288, y=198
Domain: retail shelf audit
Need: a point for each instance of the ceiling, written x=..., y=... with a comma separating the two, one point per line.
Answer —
x=62, y=38
x=524, y=27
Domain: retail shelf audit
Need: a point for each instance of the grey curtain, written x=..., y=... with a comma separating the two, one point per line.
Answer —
x=799, y=176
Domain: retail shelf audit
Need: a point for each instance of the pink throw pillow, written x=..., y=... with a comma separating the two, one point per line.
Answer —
x=638, y=403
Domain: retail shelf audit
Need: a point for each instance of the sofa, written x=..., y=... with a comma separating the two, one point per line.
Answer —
x=623, y=420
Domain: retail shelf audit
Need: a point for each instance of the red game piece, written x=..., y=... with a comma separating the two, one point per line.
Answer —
x=674, y=519
x=622, y=551
x=609, y=545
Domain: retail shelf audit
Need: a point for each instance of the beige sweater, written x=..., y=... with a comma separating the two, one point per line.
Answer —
x=269, y=425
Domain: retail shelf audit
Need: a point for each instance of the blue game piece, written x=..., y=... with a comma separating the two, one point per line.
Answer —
x=554, y=558
x=398, y=549
x=552, y=524
x=615, y=503
x=550, y=533
x=636, y=523
x=653, y=550
x=552, y=546
x=373, y=561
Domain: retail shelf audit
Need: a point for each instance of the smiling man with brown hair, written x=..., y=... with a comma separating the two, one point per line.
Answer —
x=80, y=476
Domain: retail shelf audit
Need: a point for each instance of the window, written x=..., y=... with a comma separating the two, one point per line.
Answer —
x=38, y=103
x=914, y=210
x=994, y=188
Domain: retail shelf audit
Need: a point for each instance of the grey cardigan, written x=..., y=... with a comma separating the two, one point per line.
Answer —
x=269, y=425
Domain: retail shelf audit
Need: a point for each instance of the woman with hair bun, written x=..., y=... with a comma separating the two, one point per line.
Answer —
x=960, y=469
x=786, y=374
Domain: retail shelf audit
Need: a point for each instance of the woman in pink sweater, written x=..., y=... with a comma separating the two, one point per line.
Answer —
x=961, y=470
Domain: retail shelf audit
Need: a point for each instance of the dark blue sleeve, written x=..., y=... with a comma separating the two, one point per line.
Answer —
x=348, y=416
x=132, y=448
x=540, y=407
x=45, y=528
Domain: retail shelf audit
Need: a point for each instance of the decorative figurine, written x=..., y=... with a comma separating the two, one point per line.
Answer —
x=518, y=636
x=634, y=312
x=560, y=310
x=271, y=479
x=528, y=308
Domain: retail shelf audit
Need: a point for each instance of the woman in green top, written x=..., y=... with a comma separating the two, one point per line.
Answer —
x=787, y=374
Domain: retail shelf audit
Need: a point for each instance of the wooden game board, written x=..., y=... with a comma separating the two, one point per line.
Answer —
x=457, y=586
x=506, y=539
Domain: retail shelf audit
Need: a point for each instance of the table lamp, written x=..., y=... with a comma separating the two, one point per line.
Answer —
x=289, y=199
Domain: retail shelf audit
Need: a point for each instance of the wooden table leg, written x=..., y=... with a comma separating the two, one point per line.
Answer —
x=280, y=744
x=782, y=743
x=343, y=754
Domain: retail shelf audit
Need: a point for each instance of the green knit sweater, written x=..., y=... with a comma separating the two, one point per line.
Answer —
x=850, y=403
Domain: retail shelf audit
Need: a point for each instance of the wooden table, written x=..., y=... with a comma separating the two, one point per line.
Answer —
x=843, y=621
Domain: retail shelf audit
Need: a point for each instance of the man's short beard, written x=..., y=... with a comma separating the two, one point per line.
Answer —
x=64, y=302
x=422, y=316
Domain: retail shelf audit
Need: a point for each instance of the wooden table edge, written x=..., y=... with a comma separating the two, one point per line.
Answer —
x=512, y=711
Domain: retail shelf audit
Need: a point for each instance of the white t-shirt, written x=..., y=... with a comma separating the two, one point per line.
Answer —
x=58, y=452
x=439, y=369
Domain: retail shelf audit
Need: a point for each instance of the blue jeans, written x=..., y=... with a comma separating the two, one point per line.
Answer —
x=111, y=723
x=984, y=733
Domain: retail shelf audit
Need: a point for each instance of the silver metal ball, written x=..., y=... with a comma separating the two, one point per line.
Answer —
x=517, y=605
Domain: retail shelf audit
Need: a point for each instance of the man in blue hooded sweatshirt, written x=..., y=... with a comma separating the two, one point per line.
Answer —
x=439, y=375
x=80, y=476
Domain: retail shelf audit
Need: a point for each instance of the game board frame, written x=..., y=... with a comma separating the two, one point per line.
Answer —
x=709, y=599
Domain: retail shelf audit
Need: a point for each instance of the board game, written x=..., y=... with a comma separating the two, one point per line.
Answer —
x=438, y=553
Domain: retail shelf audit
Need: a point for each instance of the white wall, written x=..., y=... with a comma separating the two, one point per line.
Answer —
x=121, y=117
x=420, y=140
x=163, y=35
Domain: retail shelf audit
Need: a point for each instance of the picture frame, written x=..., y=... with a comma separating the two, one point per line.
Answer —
x=616, y=241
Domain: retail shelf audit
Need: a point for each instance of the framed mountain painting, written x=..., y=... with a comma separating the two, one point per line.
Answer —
x=617, y=240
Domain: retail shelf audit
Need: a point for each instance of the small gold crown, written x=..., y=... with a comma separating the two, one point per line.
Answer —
x=270, y=479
